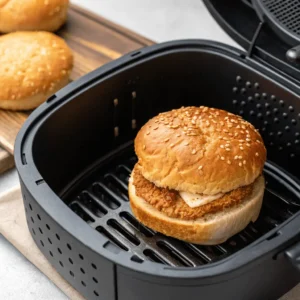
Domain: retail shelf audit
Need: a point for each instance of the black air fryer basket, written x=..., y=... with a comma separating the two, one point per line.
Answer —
x=75, y=153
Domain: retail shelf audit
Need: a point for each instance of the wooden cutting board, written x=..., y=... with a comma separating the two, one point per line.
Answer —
x=6, y=161
x=94, y=41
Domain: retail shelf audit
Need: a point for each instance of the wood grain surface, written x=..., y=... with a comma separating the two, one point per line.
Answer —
x=94, y=41
x=6, y=161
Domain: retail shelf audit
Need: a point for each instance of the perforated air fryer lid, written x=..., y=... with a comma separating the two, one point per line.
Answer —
x=265, y=37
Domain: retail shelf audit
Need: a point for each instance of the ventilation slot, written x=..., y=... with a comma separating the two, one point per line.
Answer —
x=40, y=181
x=123, y=232
x=92, y=204
x=136, y=224
x=174, y=254
x=117, y=186
x=81, y=212
x=106, y=195
x=24, y=160
x=113, y=239
x=154, y=256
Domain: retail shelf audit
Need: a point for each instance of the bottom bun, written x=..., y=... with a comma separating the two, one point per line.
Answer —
x=209, y=230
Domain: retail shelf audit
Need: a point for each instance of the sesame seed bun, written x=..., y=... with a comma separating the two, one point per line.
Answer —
x=200, y=150
x=21, y=15
x=209, y=230
x=33, y=66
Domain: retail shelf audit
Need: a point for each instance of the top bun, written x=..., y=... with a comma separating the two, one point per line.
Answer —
x=200, y=150
x=21, y=15
x=33, y=66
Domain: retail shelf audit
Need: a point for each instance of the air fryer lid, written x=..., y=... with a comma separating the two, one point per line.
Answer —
x=282, y=16
x=265, y=38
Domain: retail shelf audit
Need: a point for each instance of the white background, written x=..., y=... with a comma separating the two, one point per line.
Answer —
x=156, y=19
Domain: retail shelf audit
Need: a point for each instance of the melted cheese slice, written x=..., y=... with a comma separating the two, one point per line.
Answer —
x=195, y=200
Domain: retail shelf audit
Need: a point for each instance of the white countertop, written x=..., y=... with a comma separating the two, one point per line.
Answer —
x=155, y=19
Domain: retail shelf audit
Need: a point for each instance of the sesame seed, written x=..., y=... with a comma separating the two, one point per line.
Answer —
x=172, y=145
x=148, y=133
x=236, y=157
x=222, y=123
x=227, y=145
x=248, y=140
x=205, y=109
x=244, y=162
x=200, y=167
x=144, y=147
x=222, y=146
x=226, y=118
x=227, y=149
x=238, y=126
x=256, y=154
x=243, y=126
x=241, y=141
x=186, y=144
x=225, y=130
x=236, y=134
x=229, y=162
x=240, y=157
x=178, y=135
x=167, y=139
x=248, y=145
x=240, y=164
x=222, y=158
x=241, y=148
x=214, y=121
x=155, y=128
x=194, y=151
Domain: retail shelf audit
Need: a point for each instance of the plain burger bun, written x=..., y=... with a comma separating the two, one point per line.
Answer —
x=209, y=230
x=33, y=66
x=21, y=15
x=200, y=150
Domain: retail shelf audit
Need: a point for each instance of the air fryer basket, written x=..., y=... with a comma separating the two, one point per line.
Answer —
x=75, y=153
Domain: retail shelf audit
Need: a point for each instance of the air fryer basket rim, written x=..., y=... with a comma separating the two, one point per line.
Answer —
x=29, y=174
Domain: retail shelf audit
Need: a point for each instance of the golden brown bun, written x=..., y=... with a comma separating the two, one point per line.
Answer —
x=212, y=230
x=33, y=66
x=200, y=150
x=21, y=15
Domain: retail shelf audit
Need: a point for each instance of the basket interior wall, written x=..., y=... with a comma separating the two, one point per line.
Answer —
x=102, y=117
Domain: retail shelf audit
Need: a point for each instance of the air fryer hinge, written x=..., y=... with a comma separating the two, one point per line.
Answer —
x=254, y=39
